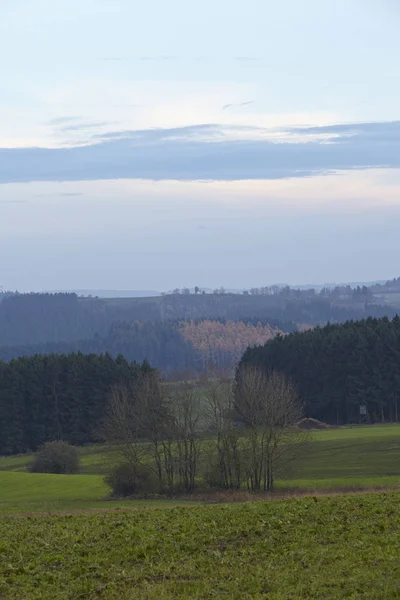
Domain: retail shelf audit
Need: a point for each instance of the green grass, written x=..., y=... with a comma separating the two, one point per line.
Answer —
x=94, y=460
x=35, y=492
x=363, y=456
x=24, y=492
x=347, y=458
x=312, y=548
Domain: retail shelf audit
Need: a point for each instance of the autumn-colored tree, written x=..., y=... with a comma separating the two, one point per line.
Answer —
x=223, y=344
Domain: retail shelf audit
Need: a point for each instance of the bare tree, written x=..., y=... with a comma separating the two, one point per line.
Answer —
x=138, y=426
x=185, y=432
x=120, y=428
x=158, y=429
x=225, y=445
x=269, y=408
x=154, y=418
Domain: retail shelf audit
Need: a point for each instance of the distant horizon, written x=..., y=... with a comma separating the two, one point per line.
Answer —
x=132, y=293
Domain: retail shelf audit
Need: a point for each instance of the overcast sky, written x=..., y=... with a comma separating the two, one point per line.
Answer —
x=166, y=144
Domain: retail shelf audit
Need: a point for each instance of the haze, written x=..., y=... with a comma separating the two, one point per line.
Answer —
x=155, y=145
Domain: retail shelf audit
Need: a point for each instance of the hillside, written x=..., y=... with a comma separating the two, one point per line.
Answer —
x=155, y=328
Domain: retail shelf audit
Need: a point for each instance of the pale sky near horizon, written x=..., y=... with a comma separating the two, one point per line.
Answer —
x=159, y=145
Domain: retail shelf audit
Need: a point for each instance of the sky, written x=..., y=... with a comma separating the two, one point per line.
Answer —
x=155, y=145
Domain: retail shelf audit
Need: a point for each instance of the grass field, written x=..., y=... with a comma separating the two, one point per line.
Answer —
x=348, y=458
x=22, y=493
x=310, y=548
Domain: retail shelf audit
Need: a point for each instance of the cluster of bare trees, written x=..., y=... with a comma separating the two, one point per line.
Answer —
x=226, y=436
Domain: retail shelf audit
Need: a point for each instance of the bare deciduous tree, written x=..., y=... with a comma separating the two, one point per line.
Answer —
x=185, y=426
x=137, y=426
x=225, y=443
x=120, y=429
x=158, y=429
x=269, y=408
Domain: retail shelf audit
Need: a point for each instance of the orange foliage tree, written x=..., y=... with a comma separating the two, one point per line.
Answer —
x=221, y=345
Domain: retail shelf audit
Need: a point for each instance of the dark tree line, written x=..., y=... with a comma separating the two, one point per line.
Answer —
x=337, y=368
x=284, y=304
x=49, y=318
x=57, y=397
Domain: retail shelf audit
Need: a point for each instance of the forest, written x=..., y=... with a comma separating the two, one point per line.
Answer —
x=340, y=367
x=180, y=331
x=177, y=348
x=57, y=397
x=334, y=370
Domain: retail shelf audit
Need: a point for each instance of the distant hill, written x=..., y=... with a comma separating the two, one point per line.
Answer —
x=151, y=326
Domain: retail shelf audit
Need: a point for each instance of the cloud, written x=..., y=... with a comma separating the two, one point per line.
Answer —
x=369, y=131
x=238, y=104
x=59, y=195
x=63, y=120
x=207, y=152
x=72, y=124
x=189, y=132
x=85, y=126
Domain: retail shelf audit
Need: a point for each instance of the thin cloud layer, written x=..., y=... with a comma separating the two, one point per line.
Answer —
x=85, y=126
x=206, y=152
x=63, y=120
x=238, y=104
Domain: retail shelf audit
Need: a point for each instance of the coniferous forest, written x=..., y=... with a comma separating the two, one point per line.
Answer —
x=338, y=368
x=57, y=397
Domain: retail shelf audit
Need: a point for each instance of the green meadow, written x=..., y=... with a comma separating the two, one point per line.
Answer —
x=351, y=458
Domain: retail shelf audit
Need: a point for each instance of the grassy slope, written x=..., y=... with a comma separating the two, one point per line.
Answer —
x=357, y=457
x=365, y=456
x=313, y=548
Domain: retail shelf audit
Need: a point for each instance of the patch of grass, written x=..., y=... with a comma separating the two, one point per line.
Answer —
x=36, y=492
x=94, y=459
x=23, y=492
x=309, y=548
x=363, y=456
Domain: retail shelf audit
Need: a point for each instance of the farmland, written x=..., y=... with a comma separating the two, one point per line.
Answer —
x=338, y=547
x=350, y=458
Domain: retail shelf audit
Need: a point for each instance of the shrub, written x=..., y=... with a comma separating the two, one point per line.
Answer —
x=127, y=479
x=212, y=476
x=56, y=457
